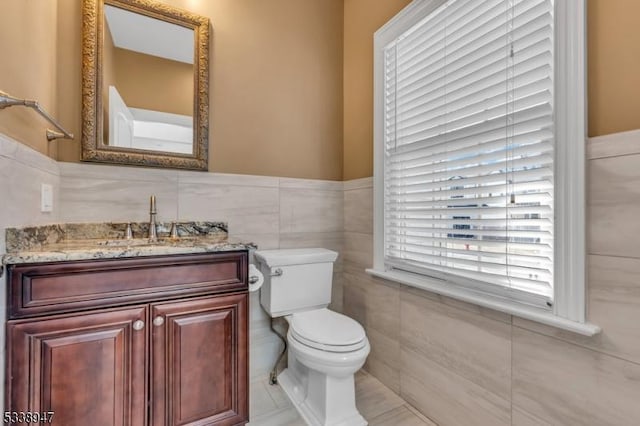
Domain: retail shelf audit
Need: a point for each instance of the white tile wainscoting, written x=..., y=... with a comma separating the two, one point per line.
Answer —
x=22, y=172
x=461, y=364
x=455, y=362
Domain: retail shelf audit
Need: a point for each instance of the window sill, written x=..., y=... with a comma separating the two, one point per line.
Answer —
x=529, y=313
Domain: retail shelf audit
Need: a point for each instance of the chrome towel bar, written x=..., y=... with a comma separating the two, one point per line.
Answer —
x=6, y=101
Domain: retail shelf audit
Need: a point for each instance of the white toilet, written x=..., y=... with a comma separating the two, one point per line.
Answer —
x=325, y=348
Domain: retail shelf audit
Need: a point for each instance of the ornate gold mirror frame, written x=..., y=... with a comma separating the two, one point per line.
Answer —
x=93, y=31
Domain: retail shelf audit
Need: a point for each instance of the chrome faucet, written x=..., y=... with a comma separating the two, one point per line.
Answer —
x=153, y=232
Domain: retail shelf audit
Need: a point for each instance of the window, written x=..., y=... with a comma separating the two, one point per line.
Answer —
x=479, y=154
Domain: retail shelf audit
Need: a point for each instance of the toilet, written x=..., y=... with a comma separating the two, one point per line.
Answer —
x=325, y=348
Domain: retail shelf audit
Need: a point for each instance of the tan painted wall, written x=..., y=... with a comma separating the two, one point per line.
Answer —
x=276, y=85
x=28, y=51
x=69, y=81
x=614, y=72
x=614, y=66
x=154, y=83
x=277, y=104
x=361, y=19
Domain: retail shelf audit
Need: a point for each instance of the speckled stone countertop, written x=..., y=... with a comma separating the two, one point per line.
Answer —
x=86, y=241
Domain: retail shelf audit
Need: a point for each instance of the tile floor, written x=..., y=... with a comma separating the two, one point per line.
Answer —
x=269, y=405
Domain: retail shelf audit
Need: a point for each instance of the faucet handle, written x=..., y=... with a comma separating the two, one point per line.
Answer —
x=174, y=231
x=128, y=233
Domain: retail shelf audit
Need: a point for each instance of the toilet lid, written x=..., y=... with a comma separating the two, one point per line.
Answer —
x=327, y=330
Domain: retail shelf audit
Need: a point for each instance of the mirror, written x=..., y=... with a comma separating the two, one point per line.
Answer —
x=145, y=84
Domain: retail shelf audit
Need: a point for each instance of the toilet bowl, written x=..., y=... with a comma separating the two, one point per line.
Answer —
x=326, y=348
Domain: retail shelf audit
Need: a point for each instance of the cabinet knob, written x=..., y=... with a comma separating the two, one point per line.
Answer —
x=138, y=325
x=158, y=321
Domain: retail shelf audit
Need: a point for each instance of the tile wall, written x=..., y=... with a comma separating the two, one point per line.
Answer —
x=22, y=172
x=269, y=211
x=457, y=363
x=461, y=364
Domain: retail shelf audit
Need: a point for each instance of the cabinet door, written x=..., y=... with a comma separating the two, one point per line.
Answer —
x=199, y=358
x=88, y=369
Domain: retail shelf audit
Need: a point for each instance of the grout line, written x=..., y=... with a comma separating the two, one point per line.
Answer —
x=400, y=341
x=419, y=415
x=117, y=180
x=464, y=379
x=414, y=411
x=615, y=256
x=604, y=157
x=343, y=215
x=381, y=414
x=279, y=188
x=54, y=168
x=580, y=345
x=231, y=185
x=264, y=385
x=511, y=371
x=357, y=189
x=356, y=232
x=34, y=166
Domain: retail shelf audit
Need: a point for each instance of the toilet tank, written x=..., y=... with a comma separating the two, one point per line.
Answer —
x=295, y=280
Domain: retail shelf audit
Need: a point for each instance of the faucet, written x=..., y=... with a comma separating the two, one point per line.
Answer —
x=153, y=232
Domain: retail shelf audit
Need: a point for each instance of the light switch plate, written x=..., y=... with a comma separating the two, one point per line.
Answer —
x=46, y=198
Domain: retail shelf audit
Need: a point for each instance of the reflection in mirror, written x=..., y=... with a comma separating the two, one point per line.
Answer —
x=147, y=83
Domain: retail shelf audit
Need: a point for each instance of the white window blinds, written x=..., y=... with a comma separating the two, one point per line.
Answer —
x=468, y=130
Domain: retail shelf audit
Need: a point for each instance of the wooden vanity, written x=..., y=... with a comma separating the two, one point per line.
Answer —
x=158, y=340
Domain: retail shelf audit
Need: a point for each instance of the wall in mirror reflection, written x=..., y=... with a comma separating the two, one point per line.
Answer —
x=147, y=86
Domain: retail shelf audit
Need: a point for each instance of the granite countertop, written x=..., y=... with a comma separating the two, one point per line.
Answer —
x=67, y=242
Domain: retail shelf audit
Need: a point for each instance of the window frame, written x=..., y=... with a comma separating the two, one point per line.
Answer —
x=569, y=307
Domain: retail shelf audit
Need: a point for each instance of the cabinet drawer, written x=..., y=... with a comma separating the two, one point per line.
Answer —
x=36, y=289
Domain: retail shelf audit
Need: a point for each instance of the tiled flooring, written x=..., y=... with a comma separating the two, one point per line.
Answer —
x=269, y=405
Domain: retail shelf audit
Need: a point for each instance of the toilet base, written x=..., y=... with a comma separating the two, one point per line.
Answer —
x=322, y=391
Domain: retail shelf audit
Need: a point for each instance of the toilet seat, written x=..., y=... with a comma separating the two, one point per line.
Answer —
x=327, y=331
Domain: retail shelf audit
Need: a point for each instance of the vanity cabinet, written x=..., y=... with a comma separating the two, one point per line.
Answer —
x=157, y=341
